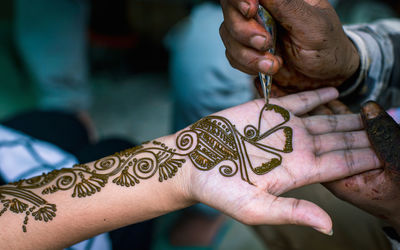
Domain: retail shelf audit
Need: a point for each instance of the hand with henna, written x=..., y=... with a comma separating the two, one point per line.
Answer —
x=312, y=49
x=376, y=191
x=239, y=161
x=313, y=149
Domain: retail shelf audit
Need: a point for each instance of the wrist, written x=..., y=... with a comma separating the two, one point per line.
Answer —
x=352, y=62
x=358, y=60
x=175, y=172
x=350, y=67
x=350, y=84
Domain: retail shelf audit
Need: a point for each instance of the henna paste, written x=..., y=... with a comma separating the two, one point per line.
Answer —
x=212, y=142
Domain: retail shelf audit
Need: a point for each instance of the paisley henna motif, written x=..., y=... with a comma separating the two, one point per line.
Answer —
x=212, y=142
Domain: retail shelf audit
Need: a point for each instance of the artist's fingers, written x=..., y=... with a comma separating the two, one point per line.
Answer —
x=340, y=164
x=246, y=31
x=247, y=59
x=339, y=141
x=355, y=188
x=384, y=134
x=304, y=102
x=279, y=210
x=338, y=107
x=332, y=123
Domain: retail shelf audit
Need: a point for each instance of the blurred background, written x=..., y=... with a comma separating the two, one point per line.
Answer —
x=123, y=57
x=133, y=69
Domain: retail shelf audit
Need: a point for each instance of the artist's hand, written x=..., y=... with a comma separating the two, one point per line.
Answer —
x=312, y=48
x=376, y=191
x=324, y=148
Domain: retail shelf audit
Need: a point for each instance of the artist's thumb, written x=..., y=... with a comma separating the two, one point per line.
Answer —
x=384, y=135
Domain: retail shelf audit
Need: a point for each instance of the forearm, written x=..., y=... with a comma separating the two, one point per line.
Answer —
x=69, y=205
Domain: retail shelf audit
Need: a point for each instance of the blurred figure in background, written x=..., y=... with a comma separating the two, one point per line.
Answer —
x=51, y=38
x=365, y=11
x=203, y=81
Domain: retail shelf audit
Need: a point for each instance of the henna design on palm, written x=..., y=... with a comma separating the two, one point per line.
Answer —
x=219, y=143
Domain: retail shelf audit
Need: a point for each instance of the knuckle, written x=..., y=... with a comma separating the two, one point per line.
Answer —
x=224, y=36
x=349, y=160
x=274, y=187
x=308, y=122
x=243, y=53
x=304, y=98
x=231, y=61
x=221, y=30
x=317, y=144
x=349, y=140
x=294, y=211
x=333, y=122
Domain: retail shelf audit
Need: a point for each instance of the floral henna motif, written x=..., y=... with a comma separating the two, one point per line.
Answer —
x=211, y=142
x=125, y=168
x=35, y=206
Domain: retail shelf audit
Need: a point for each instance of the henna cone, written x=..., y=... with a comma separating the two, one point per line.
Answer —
x=275, y=90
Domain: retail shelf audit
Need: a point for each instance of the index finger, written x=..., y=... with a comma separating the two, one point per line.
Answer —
x=304, y=102
x=246, y=31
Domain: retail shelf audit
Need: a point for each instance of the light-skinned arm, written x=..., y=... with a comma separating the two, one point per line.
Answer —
x=238, y=161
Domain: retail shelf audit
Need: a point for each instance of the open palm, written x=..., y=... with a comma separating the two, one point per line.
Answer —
x=273, y=151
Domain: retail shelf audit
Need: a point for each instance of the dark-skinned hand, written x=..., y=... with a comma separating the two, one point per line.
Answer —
x=312, y=49
x=377, y=191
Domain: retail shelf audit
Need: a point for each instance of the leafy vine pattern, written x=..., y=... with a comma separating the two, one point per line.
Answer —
x=212, y=142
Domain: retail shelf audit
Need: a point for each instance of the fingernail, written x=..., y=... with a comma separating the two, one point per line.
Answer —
x=330, y=233
x=258, y=42
x=265, y=66
x=371, y=109
x=244, y=8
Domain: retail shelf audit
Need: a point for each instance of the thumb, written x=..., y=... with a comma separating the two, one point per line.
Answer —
x=280, y=210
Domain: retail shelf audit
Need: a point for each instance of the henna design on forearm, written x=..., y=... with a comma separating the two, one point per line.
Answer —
x=212, y=142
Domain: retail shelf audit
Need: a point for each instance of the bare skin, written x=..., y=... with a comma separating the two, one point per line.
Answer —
x=313, y=50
